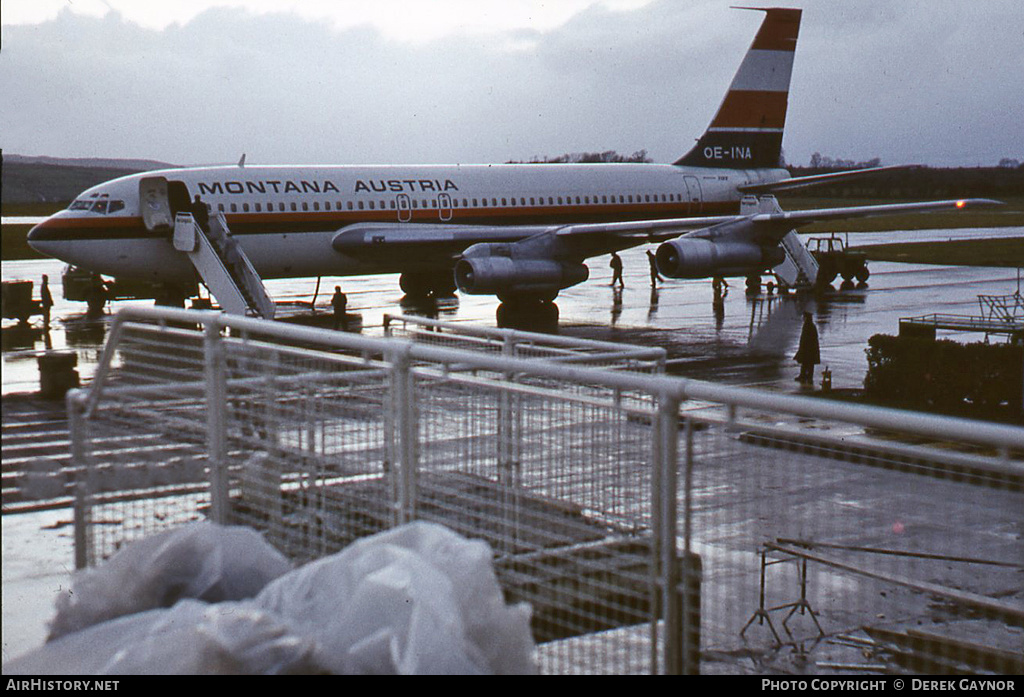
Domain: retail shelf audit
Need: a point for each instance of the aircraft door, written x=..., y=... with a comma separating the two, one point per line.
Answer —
x=155, y=203
x=177, y=194
x=404, y=208
x=444, y=207
x=693, y=194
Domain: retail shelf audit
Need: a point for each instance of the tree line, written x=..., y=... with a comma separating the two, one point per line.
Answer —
x=917, y=182
x=586, y=157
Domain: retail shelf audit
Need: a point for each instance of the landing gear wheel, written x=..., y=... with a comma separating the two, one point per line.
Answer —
x=530, y=316
x=753, y=285
x=425, y=284
x=415, y=285
x=525, y=299
x=444, y=285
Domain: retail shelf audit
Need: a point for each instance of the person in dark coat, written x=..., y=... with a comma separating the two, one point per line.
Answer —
x=808, y=354
x=201, y=214
x=653, y=261
x=616, y=264
x=340, y=304
x=45, y=300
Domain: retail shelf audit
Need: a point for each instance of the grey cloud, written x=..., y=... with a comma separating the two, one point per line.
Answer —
x=915, y=81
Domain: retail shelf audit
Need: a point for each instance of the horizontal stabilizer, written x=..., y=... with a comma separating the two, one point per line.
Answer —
x=819, y=179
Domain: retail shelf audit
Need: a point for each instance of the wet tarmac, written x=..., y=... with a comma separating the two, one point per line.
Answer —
x=741, y=340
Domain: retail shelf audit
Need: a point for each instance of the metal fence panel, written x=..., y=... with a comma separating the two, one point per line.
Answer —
x=654, y=524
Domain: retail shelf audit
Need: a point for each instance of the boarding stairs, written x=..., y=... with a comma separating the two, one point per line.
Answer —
x=799, y=270
x=223, y=266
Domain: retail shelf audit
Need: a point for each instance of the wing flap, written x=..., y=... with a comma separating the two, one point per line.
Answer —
x=370, y=239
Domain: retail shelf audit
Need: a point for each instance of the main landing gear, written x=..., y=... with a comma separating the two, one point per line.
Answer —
x=424, y=284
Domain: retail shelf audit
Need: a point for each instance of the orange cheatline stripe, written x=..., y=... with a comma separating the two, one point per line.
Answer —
x=778, y=31
x=752, y=109
x=121, y=227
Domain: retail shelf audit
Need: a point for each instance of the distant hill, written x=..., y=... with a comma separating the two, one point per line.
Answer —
x=60, y=180
x=106, y=162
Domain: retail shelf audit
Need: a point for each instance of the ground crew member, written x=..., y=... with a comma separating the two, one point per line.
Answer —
x=96, y=297
x=340, y=304
x=807, y=354
x=45, y=300
x=616, y=264
x=653, y=261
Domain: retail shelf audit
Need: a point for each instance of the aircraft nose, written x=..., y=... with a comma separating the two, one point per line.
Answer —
x=43, y=236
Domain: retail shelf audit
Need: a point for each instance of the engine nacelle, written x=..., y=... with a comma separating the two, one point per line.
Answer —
x=698, y=258
x=507, y=277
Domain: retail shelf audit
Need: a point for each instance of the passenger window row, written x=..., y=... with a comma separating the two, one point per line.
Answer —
x=454, y=203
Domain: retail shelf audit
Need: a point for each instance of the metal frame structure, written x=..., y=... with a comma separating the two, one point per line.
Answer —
x=595, y=486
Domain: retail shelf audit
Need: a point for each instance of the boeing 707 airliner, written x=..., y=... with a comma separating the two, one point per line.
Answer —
x=521, y=232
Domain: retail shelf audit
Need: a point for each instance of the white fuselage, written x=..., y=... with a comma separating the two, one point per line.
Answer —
x=285, y=217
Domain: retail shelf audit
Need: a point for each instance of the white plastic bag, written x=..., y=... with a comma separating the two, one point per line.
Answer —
x=192, y=638
x=413, y=600
x=204, y=561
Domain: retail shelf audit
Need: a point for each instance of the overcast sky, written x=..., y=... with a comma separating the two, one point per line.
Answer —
x=390, y=81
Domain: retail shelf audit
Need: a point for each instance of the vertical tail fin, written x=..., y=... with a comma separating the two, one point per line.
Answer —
x=747, y=130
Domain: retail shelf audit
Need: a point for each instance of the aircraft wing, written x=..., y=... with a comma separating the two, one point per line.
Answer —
x=774, y=226
x=450, y=239
x=762, y=227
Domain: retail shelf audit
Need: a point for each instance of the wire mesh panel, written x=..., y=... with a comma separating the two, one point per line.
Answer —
x=521, y=344
x=302, y=427
x=559, y=487
x=653, y=524
x=144, y=445
x=824, y=553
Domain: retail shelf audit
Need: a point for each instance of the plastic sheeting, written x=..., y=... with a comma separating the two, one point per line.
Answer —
x=202, y=561
x=417, y=599
x=192, y=638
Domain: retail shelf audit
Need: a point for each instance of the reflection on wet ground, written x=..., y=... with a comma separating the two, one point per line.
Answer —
x=720, y=334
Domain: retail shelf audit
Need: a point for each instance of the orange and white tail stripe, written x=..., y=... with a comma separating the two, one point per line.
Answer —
x=747, y=129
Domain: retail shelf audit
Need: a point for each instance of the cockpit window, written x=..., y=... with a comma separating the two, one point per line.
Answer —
x=103, y=205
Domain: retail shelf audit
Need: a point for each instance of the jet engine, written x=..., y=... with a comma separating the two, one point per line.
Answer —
x=490, y=269
x=699, y=258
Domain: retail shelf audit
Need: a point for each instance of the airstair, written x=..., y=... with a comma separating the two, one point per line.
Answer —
x=216, y=255
x=800, y=269
x=223, y=266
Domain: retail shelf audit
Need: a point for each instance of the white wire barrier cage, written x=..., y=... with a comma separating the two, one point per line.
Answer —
x=654, y=524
